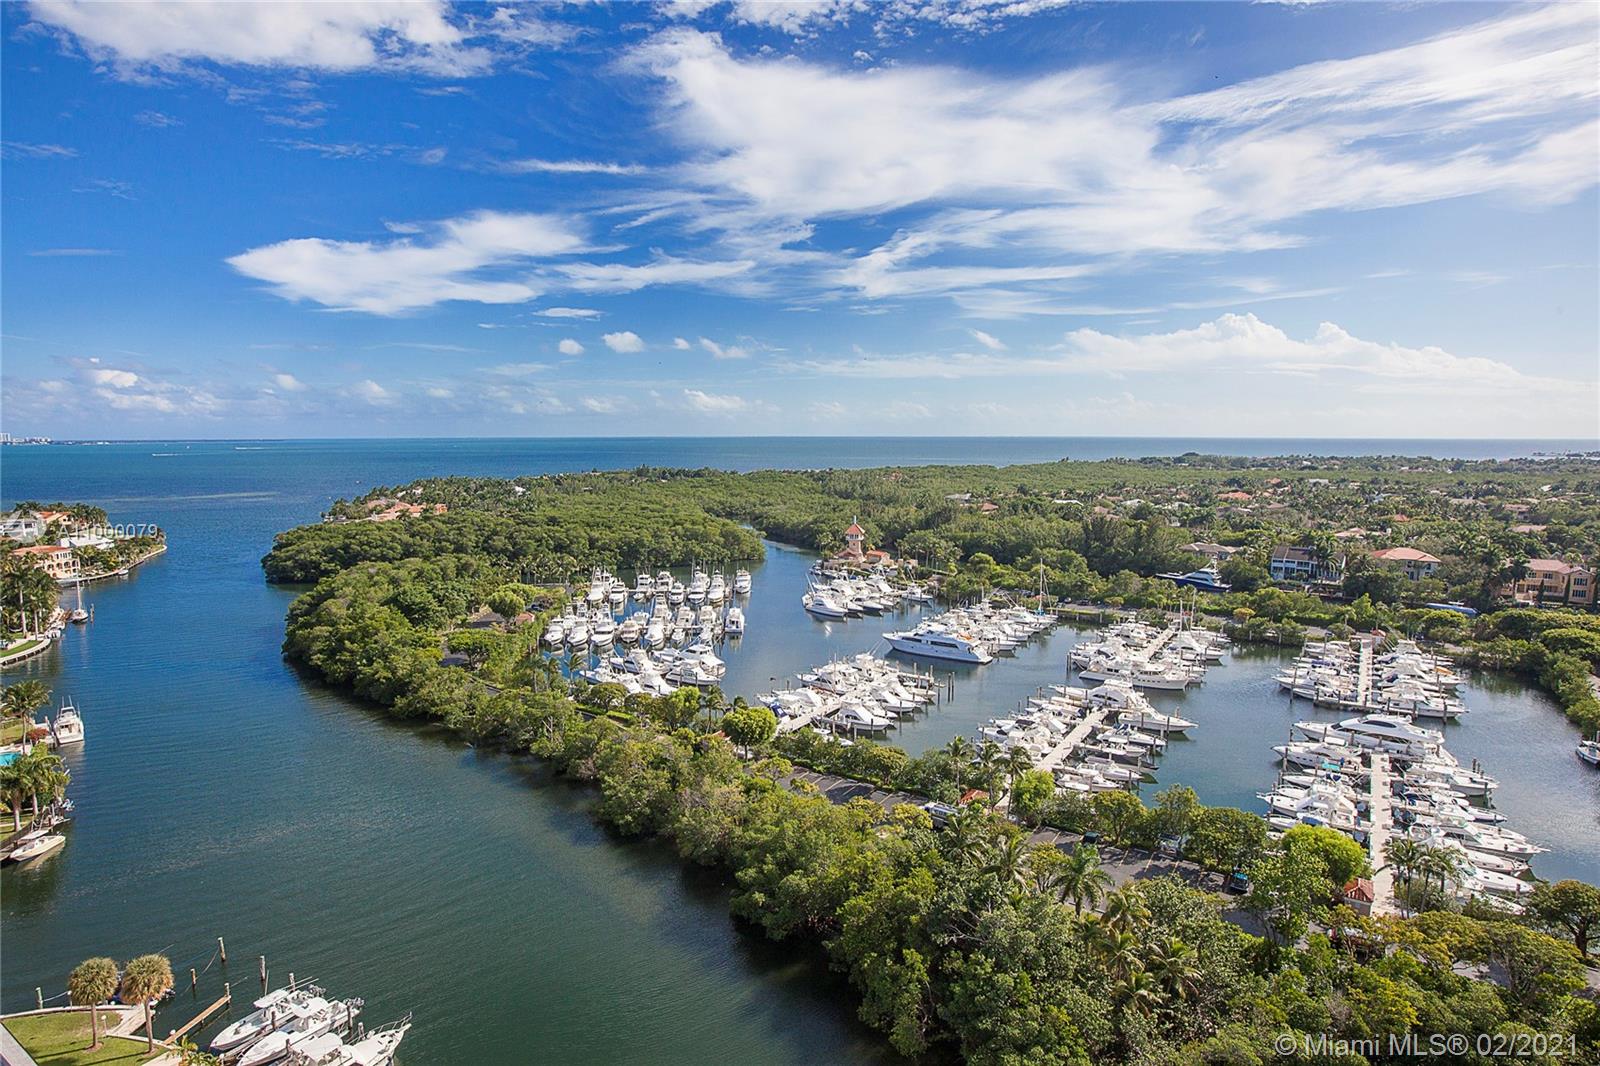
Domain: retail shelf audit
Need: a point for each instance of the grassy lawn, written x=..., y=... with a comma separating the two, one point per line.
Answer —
x=62, y=1039
x=11, y=731
x=27, y=645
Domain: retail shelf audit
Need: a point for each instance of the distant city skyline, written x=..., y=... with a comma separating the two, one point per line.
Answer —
x=917, y=218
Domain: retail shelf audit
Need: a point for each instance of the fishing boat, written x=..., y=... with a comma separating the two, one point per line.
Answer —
x=67, y=727
x=1589, y=750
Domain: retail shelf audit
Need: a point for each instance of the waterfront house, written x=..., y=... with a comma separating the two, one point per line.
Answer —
x=54, y=559
x=22, y=527
x=1299, y=564
x=1415, y=564
x=1217, y=553
x=1554, y=581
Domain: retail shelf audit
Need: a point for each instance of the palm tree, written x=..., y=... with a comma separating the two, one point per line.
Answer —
x=90, y=984
x=23, y=698
x=990, y=757
x=1125, y=910
x=1080, y=879
x=960, y=751
x=1137, y=991
x=1173, y=965
x=1017, y=762
x=14, y=789
x=45, y=774
x=147, y=978
x=1443, y=863
x=1009, y=861
x=1403, y=854
x=969, y=835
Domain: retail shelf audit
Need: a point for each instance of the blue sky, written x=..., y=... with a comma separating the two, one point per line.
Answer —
x=911, y=217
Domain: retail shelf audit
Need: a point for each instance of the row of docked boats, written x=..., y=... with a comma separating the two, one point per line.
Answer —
x=1095, y=739
x=860, y=694
x=581, y=627
x=703, y=586
x=1169, y=659
x=1426, y=795
x=300, y=1025
x=43, y=835
x=973, y=634
x=1355, y=675
x=834, y=594
x=659, y=673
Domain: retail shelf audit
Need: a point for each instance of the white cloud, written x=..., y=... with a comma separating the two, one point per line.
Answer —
x=667, y=270
x=72, y=253
x=569, y=166
x=288, y=382
x=24, y=150
x=164, y=35
x=681, y=344
x=371, y=392
x=719, y=351
x=119, y=379
x=568, y=312
x=1028, y=183
x=714, y=404
x=988, y=340
x=602, y=405
x=626, y=341
x=569, y=346
x=481, y=257
x=157, y=120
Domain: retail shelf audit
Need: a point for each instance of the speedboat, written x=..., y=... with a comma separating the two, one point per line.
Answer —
x=268, y=1010
x=35, y=844
x=1589, y=751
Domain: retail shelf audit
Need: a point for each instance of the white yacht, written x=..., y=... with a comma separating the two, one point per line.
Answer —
x=741, y=582
x=1136, y=673
x=67, y=727
x=934, y=643
x=303, y=1025
x=578, y=633
x=1589, y=751
x=375, y=1049
x=733, y=622
x=269, y=1009
x=675, y=593
x=822, y=605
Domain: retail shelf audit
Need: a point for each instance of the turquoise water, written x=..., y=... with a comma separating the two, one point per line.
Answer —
x=220, y=793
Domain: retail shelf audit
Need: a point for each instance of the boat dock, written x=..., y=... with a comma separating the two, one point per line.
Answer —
x=1379, y=810
x=1093, y=719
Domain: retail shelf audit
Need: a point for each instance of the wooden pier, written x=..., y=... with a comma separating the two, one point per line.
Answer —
x=200, y=1019
x=1092, y=720
x=1380, y=811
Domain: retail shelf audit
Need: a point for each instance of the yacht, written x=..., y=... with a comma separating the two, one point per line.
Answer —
x=1206, y=579
x=675, y=593
x=1138, y=674
x=733, y=623
x=303, y=1025
x=822, y=605
x=939, y=644
x=741, y=583
x=67, y=727
x=375, y=1049
x=556, y=632
x=268, y=1009
x=578, y=633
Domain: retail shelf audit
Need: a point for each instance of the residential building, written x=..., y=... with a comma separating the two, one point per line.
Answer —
x=22, y=527
x=1415, y=564
x=1554, y=581
x=1217, y=553
x=57, y=561
x=1300, y=564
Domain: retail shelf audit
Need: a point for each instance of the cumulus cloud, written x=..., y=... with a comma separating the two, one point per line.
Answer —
x=370, y=391
x=483, y=258
x=625, y=341
x=714, y=404
x=569, y=346
x=288, y=382
x=720, y=351
x=988, y=340
x=681, y=344
x=164, y=35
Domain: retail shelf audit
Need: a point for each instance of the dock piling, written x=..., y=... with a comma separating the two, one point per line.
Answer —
x=222, y=950
x=38, y=994
x=261, y=961
x=194, y=979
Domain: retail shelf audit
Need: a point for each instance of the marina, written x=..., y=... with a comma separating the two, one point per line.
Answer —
x=639, y=936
